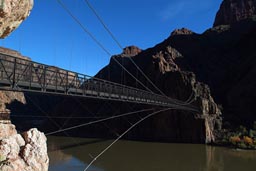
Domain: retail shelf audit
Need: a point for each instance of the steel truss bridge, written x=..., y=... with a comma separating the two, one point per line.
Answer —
x=21, y=74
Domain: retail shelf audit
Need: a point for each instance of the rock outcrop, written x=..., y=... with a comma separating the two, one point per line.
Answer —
x=24, y=152
x=222, y=57
x=131, y=51
x=12, y=14
x=159, y=64
x=232, y=11
x=182, y=31
x=13, y=53
x=8, y=97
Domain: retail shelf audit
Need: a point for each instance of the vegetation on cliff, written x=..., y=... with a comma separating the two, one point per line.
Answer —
x=241, y=138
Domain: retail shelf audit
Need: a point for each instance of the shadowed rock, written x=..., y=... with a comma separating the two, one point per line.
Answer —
x=232, y=11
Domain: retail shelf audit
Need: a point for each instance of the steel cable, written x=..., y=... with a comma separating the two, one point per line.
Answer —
x=97, y=121
x=131, y=127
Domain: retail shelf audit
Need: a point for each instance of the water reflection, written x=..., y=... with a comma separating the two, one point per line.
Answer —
x=73, y=154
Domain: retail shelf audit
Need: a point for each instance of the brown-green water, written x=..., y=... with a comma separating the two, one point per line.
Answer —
x=68, y=154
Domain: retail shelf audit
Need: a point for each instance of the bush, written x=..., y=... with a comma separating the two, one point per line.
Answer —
x=247, y=140
x=234, y=140
x=241, y=138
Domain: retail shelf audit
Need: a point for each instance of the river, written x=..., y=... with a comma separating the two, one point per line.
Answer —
x=73, y=154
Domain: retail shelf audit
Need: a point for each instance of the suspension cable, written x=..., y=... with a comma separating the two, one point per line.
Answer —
x=57, y=117
x=57, y=125
x=85, y=108
x=119, y=45
x=46, y=114
x=104, y=49
x=125, y=132
x=97, y=121
x=99, y=44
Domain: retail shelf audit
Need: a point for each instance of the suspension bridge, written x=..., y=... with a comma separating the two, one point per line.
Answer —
x=23, y=75
x=17, y=74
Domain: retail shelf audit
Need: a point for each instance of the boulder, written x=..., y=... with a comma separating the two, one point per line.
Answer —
x=24, y=153
x=10, y=147
x=7, y=130
x=12, y=14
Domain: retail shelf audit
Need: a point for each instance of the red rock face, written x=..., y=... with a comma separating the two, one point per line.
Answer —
x=131, y=51
x=11, y=52
x=182, y=31
x=232, y=11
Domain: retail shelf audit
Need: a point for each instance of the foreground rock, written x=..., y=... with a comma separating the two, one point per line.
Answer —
x=27, y=151
x=12, y=14
x=18, y=152
x=7, y=130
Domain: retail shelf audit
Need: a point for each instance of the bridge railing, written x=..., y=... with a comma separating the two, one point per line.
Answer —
x=25, y=75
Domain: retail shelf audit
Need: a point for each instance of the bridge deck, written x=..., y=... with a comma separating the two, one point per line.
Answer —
x=18, y=74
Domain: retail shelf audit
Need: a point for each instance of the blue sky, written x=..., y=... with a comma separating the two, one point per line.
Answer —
x=51, y=36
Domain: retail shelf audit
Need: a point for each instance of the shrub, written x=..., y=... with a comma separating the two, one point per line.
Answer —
x=235, y=140
x=241, y=138
x=247, y=140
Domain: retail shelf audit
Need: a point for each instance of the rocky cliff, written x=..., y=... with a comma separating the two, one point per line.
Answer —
x=158, y=63
x=232, y=11
x=12, y=14
x=8, y=97
x=223, y=57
